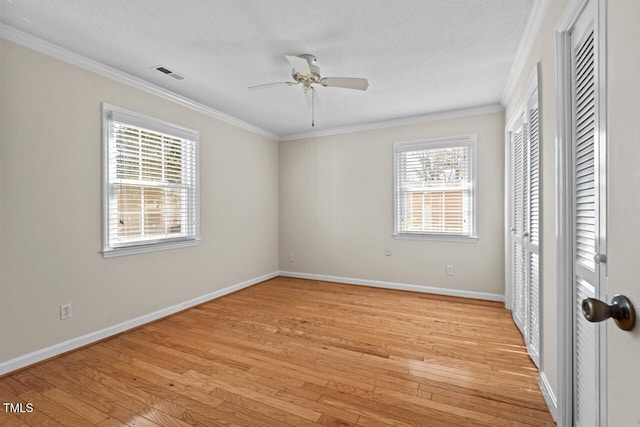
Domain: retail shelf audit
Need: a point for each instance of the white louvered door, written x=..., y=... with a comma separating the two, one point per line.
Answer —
x=532, y=233
x=518, y=277
x=524, y=138
x=585, y=215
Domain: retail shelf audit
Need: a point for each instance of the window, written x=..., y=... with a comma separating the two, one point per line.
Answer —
x=435, y=188
x=150, y=184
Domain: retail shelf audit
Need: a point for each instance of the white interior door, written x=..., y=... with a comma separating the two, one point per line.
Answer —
x=581, y=221
x=524, y=236
x=532, y=241
x=585, y=179
x=518, y=277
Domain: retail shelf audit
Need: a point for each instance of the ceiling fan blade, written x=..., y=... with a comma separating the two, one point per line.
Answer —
x=268, y=85
x=345, y=82
x=300, y=64
x=312, y=97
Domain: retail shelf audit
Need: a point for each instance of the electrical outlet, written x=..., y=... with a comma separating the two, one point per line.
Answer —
x=292, y=258
x=65, y=311
x=387, y=251
x=449, y=270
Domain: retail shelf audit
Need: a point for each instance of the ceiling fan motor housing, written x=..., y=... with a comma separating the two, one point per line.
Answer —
x=307, y=79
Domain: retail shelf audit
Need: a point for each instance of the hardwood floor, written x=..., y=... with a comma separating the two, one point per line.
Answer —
x=296, y=352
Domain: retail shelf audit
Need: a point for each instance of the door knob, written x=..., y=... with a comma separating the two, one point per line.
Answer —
x=621, y=309
x=525, y=234
x=598, y=258
x=513, y=229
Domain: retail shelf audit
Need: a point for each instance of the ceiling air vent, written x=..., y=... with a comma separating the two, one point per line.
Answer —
x=168, y=72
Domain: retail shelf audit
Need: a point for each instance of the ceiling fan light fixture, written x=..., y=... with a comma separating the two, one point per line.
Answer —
x=307, y=71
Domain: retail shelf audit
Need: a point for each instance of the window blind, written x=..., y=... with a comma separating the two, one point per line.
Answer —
x=434, y=188
x=152, y=184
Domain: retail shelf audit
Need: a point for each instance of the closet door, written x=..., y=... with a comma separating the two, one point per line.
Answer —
x=524, y=238
x=518, y=260
x=586, y=170
x=531, y=241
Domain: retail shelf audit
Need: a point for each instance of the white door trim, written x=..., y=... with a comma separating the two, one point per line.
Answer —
x=601, y=28
x=564, y=224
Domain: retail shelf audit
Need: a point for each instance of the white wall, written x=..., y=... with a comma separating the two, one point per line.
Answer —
x=623, y=231
x=50, y=188
x=336, y=209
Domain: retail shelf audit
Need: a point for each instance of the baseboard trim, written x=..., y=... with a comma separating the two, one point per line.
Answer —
x=549, y=397
x=397, y=286
x=23, y=361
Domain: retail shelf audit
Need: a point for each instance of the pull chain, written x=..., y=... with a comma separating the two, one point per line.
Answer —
x=313, y=113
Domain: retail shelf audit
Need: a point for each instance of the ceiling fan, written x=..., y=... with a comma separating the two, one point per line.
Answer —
x=307, y=72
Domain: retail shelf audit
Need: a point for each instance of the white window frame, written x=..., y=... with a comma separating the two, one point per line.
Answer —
x=109, y=112
x=470, y=140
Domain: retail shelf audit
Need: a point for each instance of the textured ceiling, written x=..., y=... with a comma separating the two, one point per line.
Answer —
x=420, y=56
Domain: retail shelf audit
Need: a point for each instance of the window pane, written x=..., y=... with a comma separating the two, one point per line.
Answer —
x=129, y=199
x=152, y=183
x=127, y=144
x=434, y=188
x=153, y=208
x=437, y=211
x=148, y=212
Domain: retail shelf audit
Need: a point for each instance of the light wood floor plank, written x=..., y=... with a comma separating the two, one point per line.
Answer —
x=292, y=352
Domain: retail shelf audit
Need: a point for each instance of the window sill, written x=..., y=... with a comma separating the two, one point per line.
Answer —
x=141, y=249
x=436, y=237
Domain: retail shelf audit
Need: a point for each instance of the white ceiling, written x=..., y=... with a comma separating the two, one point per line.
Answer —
x=420, y=56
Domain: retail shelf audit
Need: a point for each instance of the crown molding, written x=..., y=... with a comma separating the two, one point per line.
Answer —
x=531, y=30
x=20, y=37
x=404, y=121
x=40, y=45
